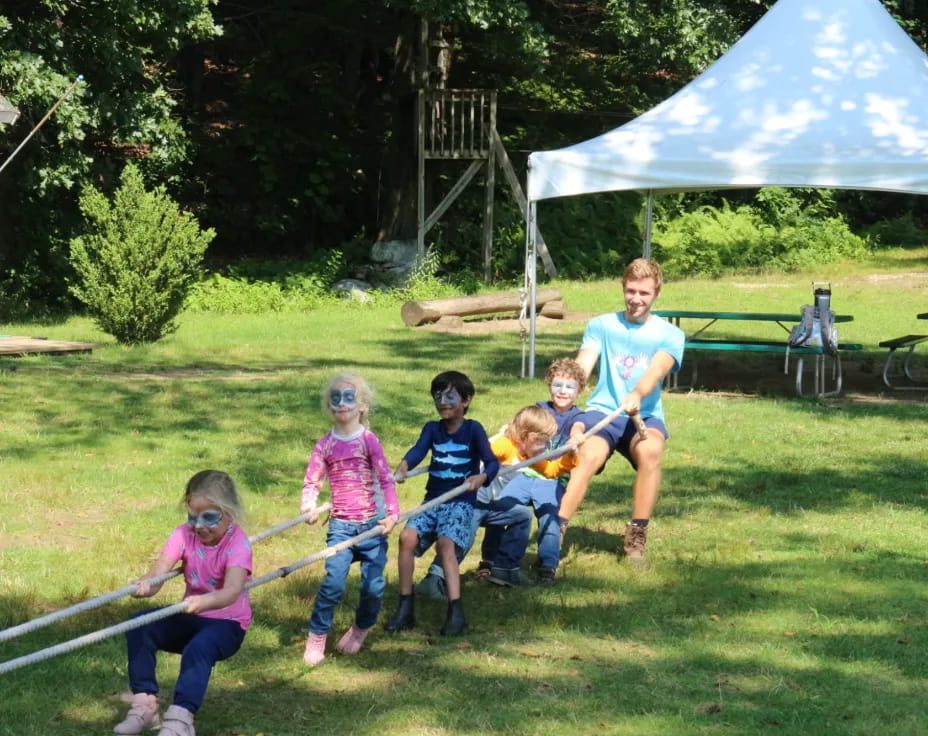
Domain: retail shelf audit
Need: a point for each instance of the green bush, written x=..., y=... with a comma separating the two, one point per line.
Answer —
x=252, y=287
x=137, y=259
x=780, y=232
x=898, y=232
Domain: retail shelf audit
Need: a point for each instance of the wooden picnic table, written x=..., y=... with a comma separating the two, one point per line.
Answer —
x=695, y=341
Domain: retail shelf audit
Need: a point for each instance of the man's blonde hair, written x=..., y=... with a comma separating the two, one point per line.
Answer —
x=644, y=268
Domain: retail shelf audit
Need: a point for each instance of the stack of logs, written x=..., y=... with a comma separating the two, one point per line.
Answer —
x=548, y=302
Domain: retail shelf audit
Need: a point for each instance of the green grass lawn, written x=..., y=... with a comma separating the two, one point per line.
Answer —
x=786, y=593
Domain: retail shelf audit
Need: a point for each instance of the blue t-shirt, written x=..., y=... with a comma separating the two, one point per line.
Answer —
x=564, y=422
x=455, y=457
x=625, y=352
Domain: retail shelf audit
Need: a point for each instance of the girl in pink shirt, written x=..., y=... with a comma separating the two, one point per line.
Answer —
x=352, y=458
x=216, y=559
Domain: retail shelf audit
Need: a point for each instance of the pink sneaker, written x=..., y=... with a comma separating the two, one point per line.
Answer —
x=178, y=721
x=351, y=642
x=315, y=649
x=142, y=715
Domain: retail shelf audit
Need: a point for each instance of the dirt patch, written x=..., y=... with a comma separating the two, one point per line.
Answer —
x=193, y=375
x=913, y=278
x=741, y=285
x=763, y=376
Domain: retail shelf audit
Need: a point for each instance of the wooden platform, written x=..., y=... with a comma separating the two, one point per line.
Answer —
x=15, y=346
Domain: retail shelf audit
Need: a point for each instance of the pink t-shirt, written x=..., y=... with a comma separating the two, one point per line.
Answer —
x=205, y=567
x=350, y=464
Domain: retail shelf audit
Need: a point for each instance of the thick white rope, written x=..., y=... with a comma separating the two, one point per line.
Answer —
x=101, y=600
x=282, y=572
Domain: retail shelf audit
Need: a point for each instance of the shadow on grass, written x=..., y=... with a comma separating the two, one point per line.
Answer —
x=806, y=646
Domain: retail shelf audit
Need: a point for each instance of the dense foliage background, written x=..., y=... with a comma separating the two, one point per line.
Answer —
x=287, y=126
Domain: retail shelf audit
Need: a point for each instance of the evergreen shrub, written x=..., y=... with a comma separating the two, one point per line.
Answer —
x=136, y=260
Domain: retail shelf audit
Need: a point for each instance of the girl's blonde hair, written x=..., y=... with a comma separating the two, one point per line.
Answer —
x=531, y=421
x=219, y=489
x=362, y=390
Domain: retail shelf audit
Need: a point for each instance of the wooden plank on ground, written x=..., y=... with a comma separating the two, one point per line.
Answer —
x=13, y=346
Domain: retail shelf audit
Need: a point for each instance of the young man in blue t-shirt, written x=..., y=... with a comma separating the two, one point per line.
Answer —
x=633, y=351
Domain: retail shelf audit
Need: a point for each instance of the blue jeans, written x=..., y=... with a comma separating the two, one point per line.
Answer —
x=372, y=554
x=502, y=514
x=200, y=641
x=544, y=496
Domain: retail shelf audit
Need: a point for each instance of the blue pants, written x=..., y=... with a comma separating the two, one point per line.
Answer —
x=502, y=514
x=544, y=496
x=372, y=554
x=200, y=641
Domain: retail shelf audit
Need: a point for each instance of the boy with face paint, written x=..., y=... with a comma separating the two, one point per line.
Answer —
x=457, y=446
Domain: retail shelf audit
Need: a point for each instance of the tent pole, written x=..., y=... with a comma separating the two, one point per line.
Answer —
x=531, y=263
x=648, y=214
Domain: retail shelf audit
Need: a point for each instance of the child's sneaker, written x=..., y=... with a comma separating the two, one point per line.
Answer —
x=510, y=578
x=314, y=653
x=484, y=570
x=636, y=541
x=352, y=640
x=546, y=575
x=178, y=721
x=142, y=715
x=432, y=586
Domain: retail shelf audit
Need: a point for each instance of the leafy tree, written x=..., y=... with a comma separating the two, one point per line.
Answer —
x=125, y=109
x=137, y=260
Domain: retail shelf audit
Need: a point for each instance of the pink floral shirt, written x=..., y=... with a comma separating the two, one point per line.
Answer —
x=205, y=567
x=351, y=464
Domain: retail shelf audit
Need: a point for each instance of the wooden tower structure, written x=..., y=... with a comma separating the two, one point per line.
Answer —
x=460, y=125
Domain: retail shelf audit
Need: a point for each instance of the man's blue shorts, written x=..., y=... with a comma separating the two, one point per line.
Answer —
x=619, y=432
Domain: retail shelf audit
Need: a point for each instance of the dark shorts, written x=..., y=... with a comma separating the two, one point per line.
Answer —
x=451, y=519
x=619, y=433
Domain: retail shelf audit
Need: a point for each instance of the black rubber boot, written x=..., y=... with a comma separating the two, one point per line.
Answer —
x=455, y=623
x=405, y=615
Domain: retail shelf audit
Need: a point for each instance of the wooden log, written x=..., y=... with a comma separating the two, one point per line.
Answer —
x=450, y=320
x=553, y=310
x=417, y=313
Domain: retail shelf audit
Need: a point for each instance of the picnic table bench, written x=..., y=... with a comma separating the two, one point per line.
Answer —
x=695, y=342
x=906, y=341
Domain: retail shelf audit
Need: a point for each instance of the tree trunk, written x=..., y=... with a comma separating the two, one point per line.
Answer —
x=397, y=217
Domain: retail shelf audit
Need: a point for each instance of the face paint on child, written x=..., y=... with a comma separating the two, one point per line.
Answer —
x=343, y=397
x=565, y=386
x=208, y=518
x=447, y=397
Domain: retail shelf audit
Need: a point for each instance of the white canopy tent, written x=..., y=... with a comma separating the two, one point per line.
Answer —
x=8, y=113
x=819, y=93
